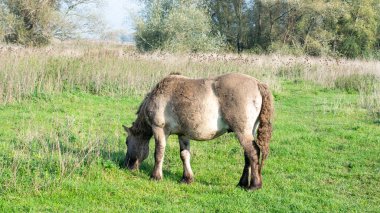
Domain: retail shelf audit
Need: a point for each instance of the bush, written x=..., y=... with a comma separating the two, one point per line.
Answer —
x=350, y=47
x=150, y=35
x=27, y=22
x=285, y=49
x=185, y=28
x=189, y=29
x=313, y=47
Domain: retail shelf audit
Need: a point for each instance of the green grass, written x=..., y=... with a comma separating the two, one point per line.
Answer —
x=63, y=153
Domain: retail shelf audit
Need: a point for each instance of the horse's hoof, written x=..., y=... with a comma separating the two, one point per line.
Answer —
x=187, y=180
x=242, y=185
x=156, y=178
x=254, y=188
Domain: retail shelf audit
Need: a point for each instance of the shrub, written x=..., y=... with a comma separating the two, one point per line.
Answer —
x=185, y=28
x=189, y=29
x=27, y=22
x=313, y=47
x=350, y=47
x=285, y=49
x=150, y=35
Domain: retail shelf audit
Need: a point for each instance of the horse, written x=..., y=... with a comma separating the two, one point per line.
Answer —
x=203, y=109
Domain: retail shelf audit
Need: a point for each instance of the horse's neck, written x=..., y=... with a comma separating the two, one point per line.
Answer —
x=141, y=126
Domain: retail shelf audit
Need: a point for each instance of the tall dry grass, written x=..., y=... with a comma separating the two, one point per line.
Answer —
x=113, y=69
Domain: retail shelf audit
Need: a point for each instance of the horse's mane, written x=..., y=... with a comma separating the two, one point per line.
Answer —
x=143, y=103
x=140, y=127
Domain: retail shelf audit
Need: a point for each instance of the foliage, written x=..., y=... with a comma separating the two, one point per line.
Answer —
x=27, y=22
x=189, y=29
x=337, y=27
x=151, y=32
x=284, y=49
x=34, y=23
x=180, y=28
x=358, y=28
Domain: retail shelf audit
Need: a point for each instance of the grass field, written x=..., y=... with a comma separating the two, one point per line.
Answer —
x=61, y=147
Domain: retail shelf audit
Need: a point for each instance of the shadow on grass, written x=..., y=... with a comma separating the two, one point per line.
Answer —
x=111, y=158
x=146, y=170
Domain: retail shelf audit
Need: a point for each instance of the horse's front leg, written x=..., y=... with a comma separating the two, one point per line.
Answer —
x=160, y=142
x=184, y=144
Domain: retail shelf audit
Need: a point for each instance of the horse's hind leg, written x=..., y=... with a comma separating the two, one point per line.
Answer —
x=244, y=180
x=253, y=157
x=184, y=144
x=256, y=171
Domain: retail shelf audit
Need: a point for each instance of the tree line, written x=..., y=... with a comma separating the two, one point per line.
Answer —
x=349, y=28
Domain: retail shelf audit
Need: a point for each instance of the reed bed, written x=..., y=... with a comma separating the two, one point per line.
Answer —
x=114, y=69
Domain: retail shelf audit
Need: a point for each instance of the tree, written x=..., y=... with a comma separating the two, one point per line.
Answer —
x=78, y=18
x=35, y=22
x=230, y=18
x=358, y=28
x=315, y=27
x=175, y=26
x=27, y=21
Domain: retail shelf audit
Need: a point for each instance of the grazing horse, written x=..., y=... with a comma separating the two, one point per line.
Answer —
x=203, y=109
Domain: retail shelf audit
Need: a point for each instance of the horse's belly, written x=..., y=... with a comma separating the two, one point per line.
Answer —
x=210, y=124
x=210, y=127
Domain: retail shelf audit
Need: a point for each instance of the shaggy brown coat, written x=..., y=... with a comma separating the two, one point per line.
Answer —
x=203, y=109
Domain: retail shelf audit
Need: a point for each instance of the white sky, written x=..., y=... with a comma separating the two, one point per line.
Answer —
x=118, y=13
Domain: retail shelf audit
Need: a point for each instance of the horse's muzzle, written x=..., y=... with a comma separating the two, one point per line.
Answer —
x=131, y=164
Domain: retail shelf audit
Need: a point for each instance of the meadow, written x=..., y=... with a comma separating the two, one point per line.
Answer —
x=62, y=143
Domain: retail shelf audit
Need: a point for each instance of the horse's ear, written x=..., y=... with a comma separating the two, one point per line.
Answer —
x=127, y=130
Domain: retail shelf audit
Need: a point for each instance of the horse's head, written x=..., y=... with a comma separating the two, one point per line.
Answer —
x=137, y=149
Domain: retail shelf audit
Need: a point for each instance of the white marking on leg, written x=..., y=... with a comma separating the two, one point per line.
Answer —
x=185, y=156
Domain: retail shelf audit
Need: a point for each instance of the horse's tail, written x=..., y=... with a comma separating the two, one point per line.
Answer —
x=264, y=132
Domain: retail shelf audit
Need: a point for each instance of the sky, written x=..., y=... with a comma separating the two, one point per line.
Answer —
x=119, y=14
